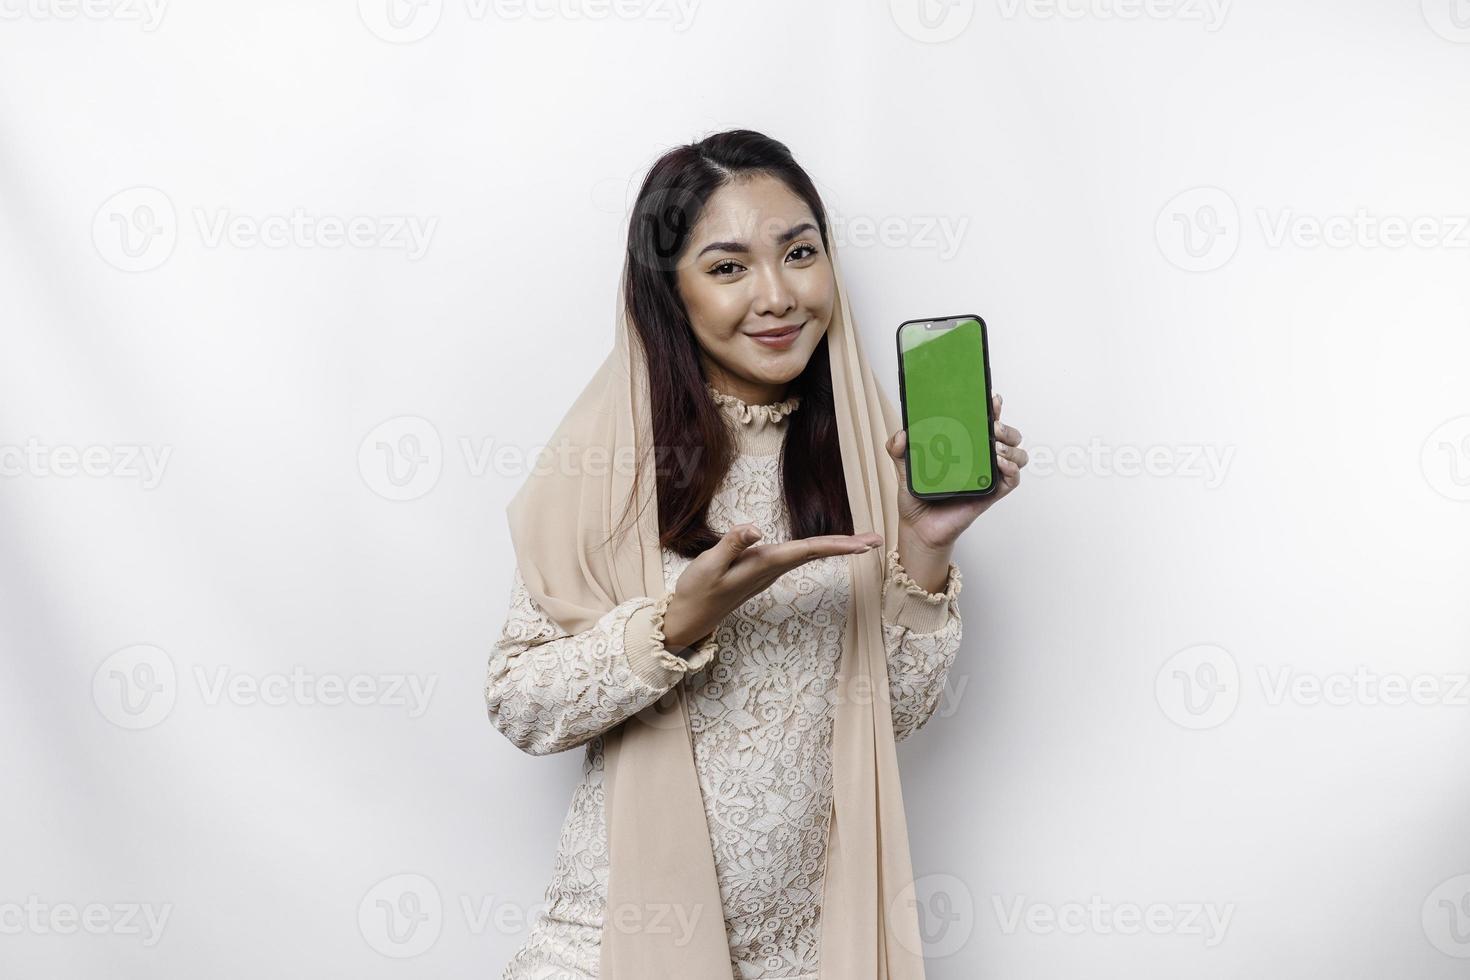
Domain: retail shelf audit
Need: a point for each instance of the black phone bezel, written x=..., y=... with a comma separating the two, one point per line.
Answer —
x=989, y=404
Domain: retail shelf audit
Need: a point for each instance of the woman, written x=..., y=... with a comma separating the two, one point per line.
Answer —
x=739, y=813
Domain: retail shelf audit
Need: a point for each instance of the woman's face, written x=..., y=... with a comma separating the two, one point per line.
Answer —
x=755, y=263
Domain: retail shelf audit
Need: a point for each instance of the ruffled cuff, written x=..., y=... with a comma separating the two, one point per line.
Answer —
x=908, y=604
x=643, y=641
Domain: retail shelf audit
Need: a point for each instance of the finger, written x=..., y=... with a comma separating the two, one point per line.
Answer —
x=792, y=553
x=996, y=402
x=1015, y=454
x=1010, y=472
x=896, y=444
x=1007, y=434
x=737, y=539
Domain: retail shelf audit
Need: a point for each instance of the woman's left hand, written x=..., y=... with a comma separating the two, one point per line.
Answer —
x=938, y=523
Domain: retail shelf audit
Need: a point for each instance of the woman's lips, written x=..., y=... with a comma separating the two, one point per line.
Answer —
x=780, y=341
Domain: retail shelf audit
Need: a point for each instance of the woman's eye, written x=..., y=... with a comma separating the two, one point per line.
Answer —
x=729, y=267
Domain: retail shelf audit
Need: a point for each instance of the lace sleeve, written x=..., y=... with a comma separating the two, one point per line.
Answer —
x=922, y=632
x=548, y=691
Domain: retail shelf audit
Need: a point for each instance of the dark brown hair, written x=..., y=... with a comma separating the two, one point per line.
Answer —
x=694, y=445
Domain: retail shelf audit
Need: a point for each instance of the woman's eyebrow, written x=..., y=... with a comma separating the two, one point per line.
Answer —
x=784, y=237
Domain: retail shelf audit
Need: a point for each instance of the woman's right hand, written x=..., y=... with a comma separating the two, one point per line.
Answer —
x=717, y=581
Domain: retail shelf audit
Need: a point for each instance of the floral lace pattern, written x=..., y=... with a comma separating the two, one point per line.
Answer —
x=761, y=712
x=703, y=651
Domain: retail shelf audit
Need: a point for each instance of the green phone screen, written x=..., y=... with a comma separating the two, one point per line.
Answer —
x=947, y=406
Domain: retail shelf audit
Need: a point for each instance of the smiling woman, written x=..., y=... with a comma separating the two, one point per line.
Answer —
x=724, y=688
x=767, y=286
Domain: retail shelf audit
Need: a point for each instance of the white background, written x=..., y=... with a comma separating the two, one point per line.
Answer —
x=1116, y=731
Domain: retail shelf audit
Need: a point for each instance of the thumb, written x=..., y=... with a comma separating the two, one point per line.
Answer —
x=897, y=446
x=737, y=539
x=897, y=443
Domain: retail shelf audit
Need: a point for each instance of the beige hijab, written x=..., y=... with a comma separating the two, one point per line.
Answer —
x=661, y=872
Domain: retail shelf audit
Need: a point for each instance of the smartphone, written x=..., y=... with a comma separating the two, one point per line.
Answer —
x=944, y=388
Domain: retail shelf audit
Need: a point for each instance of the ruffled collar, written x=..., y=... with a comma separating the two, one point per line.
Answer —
x=749, y=414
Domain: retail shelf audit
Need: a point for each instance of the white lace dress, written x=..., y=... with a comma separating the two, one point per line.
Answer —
x=761, y=696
